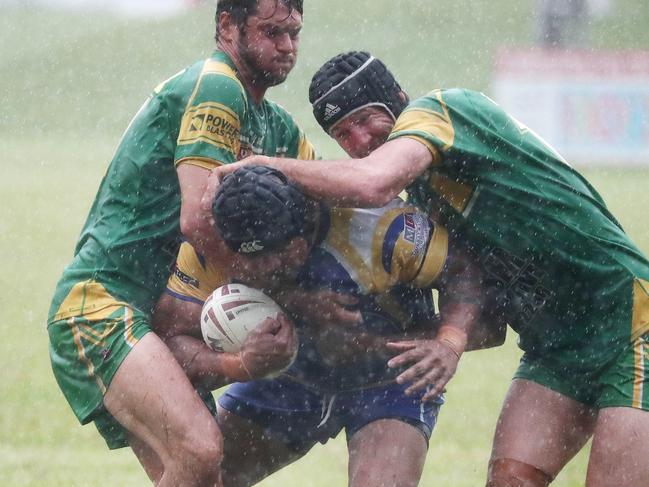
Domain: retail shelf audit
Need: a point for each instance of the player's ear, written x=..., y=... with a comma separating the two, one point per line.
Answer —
x=227, y=27
x=403, y=97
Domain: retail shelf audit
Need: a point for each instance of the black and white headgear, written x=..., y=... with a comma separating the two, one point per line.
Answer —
x=256, y=208
x=349, y=82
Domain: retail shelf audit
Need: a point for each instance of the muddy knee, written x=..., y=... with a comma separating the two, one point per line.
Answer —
x=506, y=472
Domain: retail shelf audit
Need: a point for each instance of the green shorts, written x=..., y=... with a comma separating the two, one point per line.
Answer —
x=86, y=351
x=620, y=383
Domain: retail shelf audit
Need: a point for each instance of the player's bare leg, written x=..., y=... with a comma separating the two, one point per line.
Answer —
x=387, y=452
x=619, y=453
x=249, y=453
x=151, y=396
x=538, y=432
x=148, y=458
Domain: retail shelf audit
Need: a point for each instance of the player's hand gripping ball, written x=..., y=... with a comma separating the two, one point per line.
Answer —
x=231, y=312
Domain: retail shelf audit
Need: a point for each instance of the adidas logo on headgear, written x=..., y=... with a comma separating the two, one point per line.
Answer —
x=330, y=110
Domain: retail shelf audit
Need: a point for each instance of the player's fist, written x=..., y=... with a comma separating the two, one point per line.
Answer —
x=270, y=348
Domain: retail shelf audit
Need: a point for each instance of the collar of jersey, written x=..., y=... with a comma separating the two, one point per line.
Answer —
x=221, y=56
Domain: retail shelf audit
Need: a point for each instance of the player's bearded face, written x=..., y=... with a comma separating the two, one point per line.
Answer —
x=363, y=131
x=269, y=42
x=271, y=269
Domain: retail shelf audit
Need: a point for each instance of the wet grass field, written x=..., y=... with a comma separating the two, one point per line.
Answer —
x=71, y=82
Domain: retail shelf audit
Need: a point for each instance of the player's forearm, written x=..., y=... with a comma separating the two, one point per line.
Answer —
x=455, y=327
x=204, y=367
x=461, y=304
x=343, y=182
x=196, y=222
x=372, y=181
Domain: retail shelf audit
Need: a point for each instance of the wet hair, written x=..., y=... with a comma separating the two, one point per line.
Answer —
x=349, y=82
x=240, y=10
x=256, y=208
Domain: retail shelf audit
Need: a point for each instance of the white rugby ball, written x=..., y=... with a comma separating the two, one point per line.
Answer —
x=231, y=312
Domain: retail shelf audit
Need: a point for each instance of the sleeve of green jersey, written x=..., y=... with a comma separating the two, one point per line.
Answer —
x=211, y=124
x=428, y=121
x=296, y=144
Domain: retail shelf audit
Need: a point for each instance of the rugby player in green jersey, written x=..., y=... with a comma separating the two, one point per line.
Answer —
x=570, y=281
x=112, y=371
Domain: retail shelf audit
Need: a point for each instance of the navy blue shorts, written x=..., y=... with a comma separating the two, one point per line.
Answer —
x=301, y=416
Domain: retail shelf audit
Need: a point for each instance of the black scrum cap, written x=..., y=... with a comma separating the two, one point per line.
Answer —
x=257, y=208
x=351, y=81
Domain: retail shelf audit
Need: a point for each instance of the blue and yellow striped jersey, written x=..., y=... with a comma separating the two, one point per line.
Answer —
x=362, y=251
x=388, y=257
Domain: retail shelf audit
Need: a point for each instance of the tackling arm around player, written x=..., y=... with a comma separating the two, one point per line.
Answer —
x=112, y=371
x=571, y=282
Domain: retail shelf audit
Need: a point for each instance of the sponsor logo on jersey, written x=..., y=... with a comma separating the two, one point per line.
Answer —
x=196, y=123
x=250, y=247
x=212, y=123
x=409, y=228
x=423, y=233
x=416, y=231
x=186, y=278
x=330, y=111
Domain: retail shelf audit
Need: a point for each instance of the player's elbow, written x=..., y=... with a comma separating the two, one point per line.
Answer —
x=497, y=335
x=377, y=190
x=194, y=228
x=376, y=197
x=188, y=225
x=487, y=334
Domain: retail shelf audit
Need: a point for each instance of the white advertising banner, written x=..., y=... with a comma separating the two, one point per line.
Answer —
x=137, y=8
x=592, y=106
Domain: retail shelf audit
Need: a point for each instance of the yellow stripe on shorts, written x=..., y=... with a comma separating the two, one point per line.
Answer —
x=128, y=328
x=76, y=336
x=639, y=375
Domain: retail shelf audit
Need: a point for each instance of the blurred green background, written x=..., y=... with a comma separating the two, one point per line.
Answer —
x=70, y=84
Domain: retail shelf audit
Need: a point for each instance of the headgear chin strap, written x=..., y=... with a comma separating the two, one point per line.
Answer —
x=349, y=82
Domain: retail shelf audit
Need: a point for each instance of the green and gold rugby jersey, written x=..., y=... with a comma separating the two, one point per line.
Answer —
x=203, y=116
x=570, y=278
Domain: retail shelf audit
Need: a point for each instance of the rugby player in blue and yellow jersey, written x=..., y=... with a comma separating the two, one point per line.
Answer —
x=112, y=371
x=571, y=282
x=387, y=259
